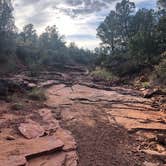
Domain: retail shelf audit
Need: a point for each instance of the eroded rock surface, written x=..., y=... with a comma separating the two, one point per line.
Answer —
x=87, y=111
x=16, y=151
x=130, y=111
x=31, y=130
x=50, y=160
x=81, y=121
x=39, y=141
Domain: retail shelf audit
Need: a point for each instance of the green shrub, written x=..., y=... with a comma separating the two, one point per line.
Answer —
x=160, y=72
x=34, y=69
x=12, y=98
x=103, y=74
x=37, y=94
x=7, y=64
x=121, y=64
x=145, y=85
x=17, y=106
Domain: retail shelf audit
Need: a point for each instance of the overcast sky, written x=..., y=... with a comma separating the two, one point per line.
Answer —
x=76, y=19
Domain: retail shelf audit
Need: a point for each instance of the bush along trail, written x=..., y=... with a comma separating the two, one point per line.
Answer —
x=59, y=119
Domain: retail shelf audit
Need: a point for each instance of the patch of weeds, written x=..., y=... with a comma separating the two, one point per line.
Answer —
x=104, y=75
x=160, y=72
x=145, y=85
x=37, y=94
x=17, y=106
x=12, y=98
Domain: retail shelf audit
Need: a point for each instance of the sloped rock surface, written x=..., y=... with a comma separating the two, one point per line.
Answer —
x=31, y=130
x=67, y=138
x=42, y=141
x=100, y=118
x=16, y=151
x=13, y=160
x=71, y=159
x=50, y=124
x=49, y=160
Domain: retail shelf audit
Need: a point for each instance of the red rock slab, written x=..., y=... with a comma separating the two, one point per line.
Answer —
x=13, y=161
x=50, y=123
x=31, y=130
x=11, y=152
x=71, y=159
x=57, y=159
x=148, y=93
x=47, y=83
x=67, y=138
x=47, y=116
x=42, y=145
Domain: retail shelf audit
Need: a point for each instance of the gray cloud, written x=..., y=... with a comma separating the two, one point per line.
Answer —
x=39, y=18
x=83, y=7
x=77, y=19
x=74, y=18
x=73, y=8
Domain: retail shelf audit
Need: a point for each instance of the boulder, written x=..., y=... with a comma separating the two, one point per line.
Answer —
x=41, y=146
x=16, y=152
x=31, y=130
x=150, y=164
x=148, y=93
x=155, y=154
x=50, y=123
x=67, y=138
x=57, y=159
x=161, y=138
x=71, y=159
x=14, y=161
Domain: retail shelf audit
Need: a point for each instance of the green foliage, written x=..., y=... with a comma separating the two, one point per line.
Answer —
x=29, y=36
x=79, y=55
x=121, y=65
x=35, y=69
x=7, y=63
x=115, y=30
x=31, y=50
x=143, y=49
x=103, y=74
x=51, y=46
x=7, y=34
x=37, y=94
x=145, y=85
x=161, y=31
x=17, y=106
x=131, y=41
x=14, y=98
x=48, y=49
x=160, y=72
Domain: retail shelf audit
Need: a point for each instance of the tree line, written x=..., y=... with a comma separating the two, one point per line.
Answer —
x=133, y=41
x=28, y=49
